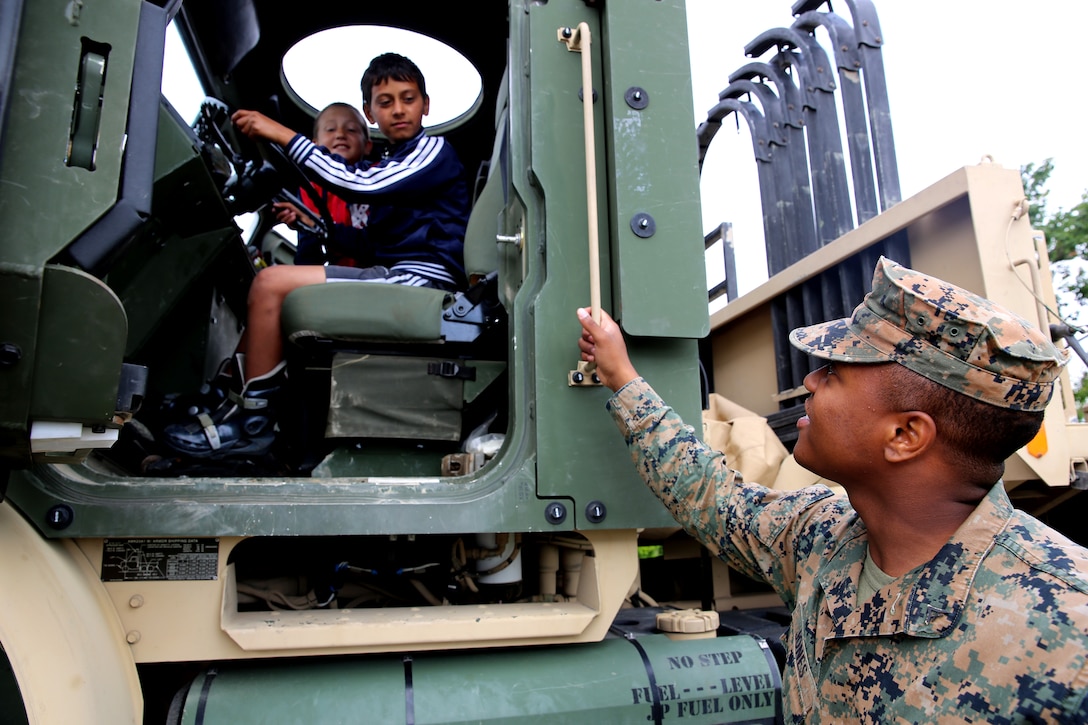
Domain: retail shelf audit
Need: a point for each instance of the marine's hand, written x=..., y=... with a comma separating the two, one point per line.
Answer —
x=258, y=125
x=603, y=344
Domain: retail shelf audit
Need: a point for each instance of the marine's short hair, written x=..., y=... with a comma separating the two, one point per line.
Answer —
x=945, y=334
x=391, y=66
x=978, y=436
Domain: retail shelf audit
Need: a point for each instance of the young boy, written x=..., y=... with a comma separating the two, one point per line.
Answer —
x=416, y=230
x=921, y=596
x=341, y=129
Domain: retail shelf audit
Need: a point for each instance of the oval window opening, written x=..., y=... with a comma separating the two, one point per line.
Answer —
x=327, y=66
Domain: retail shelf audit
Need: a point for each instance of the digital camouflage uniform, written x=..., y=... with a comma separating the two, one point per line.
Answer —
x=993, y=629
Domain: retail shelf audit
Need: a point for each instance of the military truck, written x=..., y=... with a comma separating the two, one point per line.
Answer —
x=448, y=529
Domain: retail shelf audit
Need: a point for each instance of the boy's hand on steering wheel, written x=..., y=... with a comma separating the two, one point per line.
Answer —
x=257, y=125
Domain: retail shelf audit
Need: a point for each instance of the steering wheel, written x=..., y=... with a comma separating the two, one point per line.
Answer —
x=252, y=179
x=291, y=173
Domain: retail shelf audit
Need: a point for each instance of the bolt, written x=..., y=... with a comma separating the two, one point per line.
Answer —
x=567, y=32
x=136, y=601
x=595, y=512
x=10, y=354
x=59, y=517
x=577, y=377
x=132, y=637
x=555, y=513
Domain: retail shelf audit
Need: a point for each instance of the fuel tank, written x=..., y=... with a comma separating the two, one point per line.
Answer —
x=628, y=679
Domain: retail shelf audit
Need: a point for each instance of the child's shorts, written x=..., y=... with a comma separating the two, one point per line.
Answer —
x=379, y=274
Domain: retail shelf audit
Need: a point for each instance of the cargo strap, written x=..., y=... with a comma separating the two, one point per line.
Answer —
x=450, y=369
x=202, y=703
x=656, y=710
x=409, y=693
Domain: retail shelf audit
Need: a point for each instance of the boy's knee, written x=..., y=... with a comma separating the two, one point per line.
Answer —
x=278, y=280
x=263, y=284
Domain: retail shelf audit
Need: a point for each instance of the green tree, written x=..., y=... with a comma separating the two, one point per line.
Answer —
x=1035, y=178
x=1066, y=230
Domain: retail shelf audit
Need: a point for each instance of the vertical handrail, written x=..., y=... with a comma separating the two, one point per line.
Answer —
x=579, y=40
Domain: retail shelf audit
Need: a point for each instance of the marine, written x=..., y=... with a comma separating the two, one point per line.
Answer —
x=921, y=595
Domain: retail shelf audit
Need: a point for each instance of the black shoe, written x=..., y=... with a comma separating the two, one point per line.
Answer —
x=243, y=426
x=212, y=395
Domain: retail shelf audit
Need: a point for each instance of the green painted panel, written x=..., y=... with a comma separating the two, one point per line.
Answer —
x=20, y=293
x=103, y=504
x=660, y=279
x=35, y=180
x=586, y=459
x=44, y=202
x=81, y=342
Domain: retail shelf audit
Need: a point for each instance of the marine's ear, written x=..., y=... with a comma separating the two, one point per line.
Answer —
x=909, y=434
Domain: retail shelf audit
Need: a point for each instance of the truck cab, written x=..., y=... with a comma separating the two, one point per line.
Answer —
x=378, y=524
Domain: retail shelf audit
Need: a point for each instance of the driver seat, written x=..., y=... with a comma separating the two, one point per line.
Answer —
x=398, y=362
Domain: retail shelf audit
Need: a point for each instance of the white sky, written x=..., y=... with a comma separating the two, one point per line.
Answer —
x=453, y=84
x=966, y=78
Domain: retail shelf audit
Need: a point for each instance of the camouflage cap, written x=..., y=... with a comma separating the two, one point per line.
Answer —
x=944, y=333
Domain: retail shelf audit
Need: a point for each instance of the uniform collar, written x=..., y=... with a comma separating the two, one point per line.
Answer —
x=925, y=602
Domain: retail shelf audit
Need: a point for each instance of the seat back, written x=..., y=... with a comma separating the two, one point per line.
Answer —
x=481, y=245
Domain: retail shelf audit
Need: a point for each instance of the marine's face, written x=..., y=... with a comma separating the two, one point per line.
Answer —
x=341, y=131
x=840, y=437
x=398, y=108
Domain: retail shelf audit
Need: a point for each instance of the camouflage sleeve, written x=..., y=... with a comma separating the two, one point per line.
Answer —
x=765, y=534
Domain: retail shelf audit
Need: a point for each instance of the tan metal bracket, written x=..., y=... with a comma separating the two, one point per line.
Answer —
x=584, y=376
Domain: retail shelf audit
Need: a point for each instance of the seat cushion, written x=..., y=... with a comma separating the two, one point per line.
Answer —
x=364, y=311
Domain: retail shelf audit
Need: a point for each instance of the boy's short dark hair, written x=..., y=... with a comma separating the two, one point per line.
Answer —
x=353, y=109
x=391, y=66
